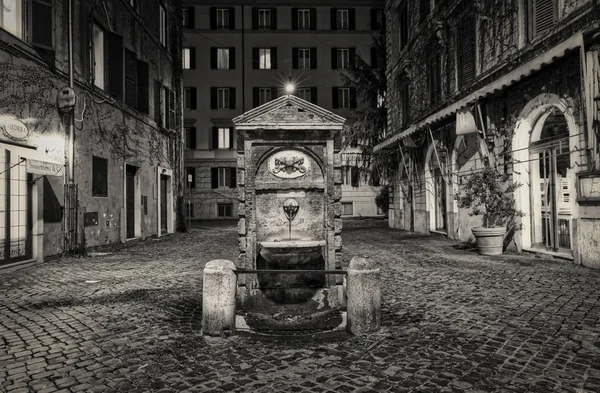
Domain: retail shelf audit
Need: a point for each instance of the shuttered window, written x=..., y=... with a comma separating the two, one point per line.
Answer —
x=114, y=64
x=143, y=81
x=42, y=24
x=434, y=71
x=189, y=97
x=190, y=137
x=544, y=14
x=131, y=90
x=223, y=177
x=466, y=49
x=377, y=19
x=404, y=98
x=99, y=177
x=222, y=18
x=403, y=20
x=188, y=17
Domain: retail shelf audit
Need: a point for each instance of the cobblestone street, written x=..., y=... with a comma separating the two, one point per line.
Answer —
x=453, y=321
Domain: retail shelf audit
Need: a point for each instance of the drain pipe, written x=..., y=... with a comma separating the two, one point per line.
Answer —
x=71, y=127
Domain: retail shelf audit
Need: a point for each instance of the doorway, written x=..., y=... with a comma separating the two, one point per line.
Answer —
x=435, y=184
x=163, y=203
x=130, y=200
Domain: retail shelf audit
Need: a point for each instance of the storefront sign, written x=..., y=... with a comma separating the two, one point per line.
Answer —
x=44, y=167
x=15, y=130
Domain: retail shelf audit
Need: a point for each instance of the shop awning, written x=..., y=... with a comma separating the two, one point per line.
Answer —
x=35, y=162
x=496, y=86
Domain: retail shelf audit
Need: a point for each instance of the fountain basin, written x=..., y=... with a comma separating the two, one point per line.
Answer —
x=292, y=253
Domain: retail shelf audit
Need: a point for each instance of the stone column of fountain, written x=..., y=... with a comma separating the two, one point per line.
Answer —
x=289, y=184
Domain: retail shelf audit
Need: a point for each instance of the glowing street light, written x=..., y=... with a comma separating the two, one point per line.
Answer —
x=289, y=88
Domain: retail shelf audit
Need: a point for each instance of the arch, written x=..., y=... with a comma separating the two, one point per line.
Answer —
x=276, y=150
x=438, y=210
x=528, y=129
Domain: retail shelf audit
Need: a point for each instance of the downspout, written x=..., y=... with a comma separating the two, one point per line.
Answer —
x=243, y=63
x=71, y=176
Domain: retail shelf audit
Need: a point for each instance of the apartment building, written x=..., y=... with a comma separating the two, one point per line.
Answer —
x=512, y=84
x=91, y=124
x=238, y=55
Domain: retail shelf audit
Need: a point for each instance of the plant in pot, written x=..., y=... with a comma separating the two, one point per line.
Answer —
x=488, y=193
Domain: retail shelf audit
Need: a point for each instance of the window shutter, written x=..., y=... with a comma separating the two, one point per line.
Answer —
x=544, y=16
x=255, y=97
x=232, y=177
x=334, y=64
x=466, y=47
x=352, y=19
x=313, y=19
x=295, y=58
x=42, y=29
x=213, y=18
x=374, y=19
x=273, y=18
x=353, y=97
x=86, y=31
x=215, y=138
x=424, y=9
x=131, y=79
x=374, y=62
x=192, y=137
x=334, y=19
x=213, y=98
x=143, y=81
x=255, y=60
x=214, y=177
x=352, y=55
x=114, y=63
x=192, y=58
x=231, y=58
x=213, y=58
x=172, y=110
x=313, y=58
x=194, y=94
x=231, y=18
x=294, y=18
x=313, y=95
x=255, y=18
x=232, y=98
x=274, y=58
x=334, y=96
x=191, y=18
x=157, y=116
x=231, y=137
x=355, y=176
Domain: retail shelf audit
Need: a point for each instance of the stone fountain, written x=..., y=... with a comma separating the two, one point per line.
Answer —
x=289, y=184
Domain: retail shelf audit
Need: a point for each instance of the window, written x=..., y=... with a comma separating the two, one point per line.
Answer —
x=222, y=58
x=190, y=177
x=403, y=20
x=223, y=177
x=189, y=58
x=347, y=208
x=163, y=28
x=377, y=19
x=304, y=59
x=98, y=56
x=190, y=137
x=223, y=138
x=264, y=56
x=189, y=97
x=264, y=95
x=222, y=18
x=350, y=176
x=424, y=9
x=465, y=50
x=12, y=17
x=344, y=97
x=99, y=177
x=224, y=209
x=541, y=17
x=188, y=17
x=377, y=58
x=403, y=87
x=343, y=58
x=222, y=97
x=143, y=82
x=343, y=22
x=304, y=93
x=304, y=19
x=131, y=89
x=164, y=106
x=264, y=18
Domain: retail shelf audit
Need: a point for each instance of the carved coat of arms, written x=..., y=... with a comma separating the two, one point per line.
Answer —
x=289, y=164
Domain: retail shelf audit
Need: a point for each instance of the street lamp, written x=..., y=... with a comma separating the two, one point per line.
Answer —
x=289, y=88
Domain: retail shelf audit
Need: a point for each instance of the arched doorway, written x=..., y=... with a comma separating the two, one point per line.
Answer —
x=435, y=188
x=543, y=156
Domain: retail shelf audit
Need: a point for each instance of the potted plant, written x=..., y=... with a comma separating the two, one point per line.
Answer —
x=486, y=193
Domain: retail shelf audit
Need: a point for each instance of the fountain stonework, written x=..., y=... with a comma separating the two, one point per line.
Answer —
x=289, y=191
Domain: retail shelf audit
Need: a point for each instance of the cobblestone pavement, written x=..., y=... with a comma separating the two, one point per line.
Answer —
x=453, y=321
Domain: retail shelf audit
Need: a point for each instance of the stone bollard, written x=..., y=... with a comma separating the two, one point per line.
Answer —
x=363, y=296
x=218, y=298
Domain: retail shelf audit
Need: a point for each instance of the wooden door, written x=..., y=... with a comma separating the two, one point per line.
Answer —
x=163, y=203
x=130, y=201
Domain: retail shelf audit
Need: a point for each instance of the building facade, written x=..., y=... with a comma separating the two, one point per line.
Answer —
x=91, y=124
x=512, y=84
x=238, y=55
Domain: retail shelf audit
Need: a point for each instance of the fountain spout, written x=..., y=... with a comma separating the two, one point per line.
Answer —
x=290, y=209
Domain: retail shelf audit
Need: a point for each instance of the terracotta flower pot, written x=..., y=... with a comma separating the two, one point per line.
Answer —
x=490, y=241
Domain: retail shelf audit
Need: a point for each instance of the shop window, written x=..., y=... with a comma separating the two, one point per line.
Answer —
x=99, y=177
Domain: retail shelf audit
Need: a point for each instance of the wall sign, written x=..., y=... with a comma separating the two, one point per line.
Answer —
x=289, y=164
x=15, y=130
